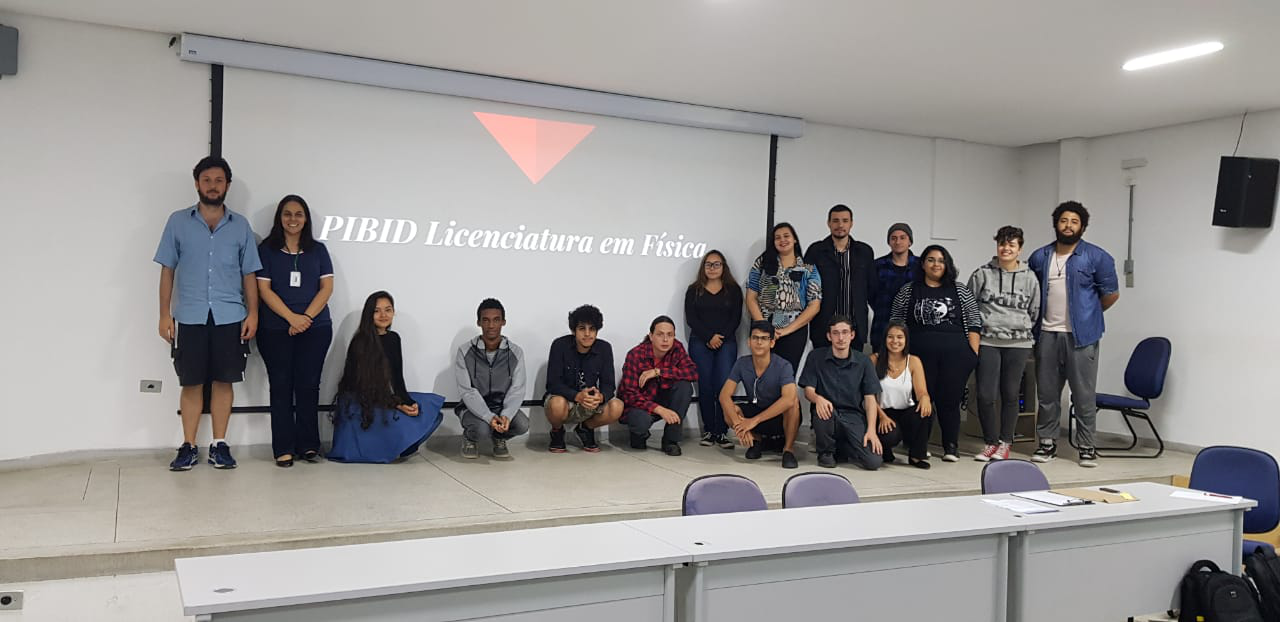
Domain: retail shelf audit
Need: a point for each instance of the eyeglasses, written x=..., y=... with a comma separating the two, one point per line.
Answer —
x=934, y=260
x=761, y=338
x=714, y=264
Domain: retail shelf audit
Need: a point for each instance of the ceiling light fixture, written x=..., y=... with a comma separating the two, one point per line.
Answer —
x=1173, y=56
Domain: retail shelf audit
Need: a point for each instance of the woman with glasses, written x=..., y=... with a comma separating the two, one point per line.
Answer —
x=713, y=310
x=945, y=326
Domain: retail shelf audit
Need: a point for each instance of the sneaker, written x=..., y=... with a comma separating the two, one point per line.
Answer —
x=1002, y=452
x=557, y=441
x=671, y=449
x=919, y=464
x=789, y=460
x=708, y=439
x=469, y=450
x=950, y=458
x=1088, y=457
x=188, y=456
x=220, y=456
x=755, y=451
x=725, y=441
x=588, y=438
x=987, y=454
x=827, y=460
x=638, y=441
x=500, y=450
x=1046, y=452
x=950, y=453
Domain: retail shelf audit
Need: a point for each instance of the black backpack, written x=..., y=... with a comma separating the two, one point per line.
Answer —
x=1210, y=595
x=1264, y=568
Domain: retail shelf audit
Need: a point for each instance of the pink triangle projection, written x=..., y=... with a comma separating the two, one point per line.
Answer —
x=535, y=145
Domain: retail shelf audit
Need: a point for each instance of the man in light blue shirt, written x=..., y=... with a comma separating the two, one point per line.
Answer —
x=214, y=256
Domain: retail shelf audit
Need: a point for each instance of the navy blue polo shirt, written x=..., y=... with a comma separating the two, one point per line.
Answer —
x=765, y=389
x=314, y=265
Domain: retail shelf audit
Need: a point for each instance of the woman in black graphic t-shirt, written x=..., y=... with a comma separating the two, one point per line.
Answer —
x=945, y=326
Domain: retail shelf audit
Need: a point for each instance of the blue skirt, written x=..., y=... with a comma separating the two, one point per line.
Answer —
x=392, y=434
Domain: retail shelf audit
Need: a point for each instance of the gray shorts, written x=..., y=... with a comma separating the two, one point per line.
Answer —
x=577, y=412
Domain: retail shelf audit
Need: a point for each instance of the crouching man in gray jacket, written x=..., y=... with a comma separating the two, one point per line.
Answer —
x=491, y=377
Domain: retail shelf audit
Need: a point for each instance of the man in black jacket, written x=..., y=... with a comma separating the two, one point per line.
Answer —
x=848, y=274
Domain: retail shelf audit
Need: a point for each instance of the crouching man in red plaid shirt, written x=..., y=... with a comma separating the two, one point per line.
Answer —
x=657, y=383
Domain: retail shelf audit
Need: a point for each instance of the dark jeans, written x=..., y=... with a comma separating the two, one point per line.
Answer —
x=791, y=348
x=999, y=379
x=913, y=429
x=845, y=429
x=948, y=360
x=293, y=370
x=676, y=398
x=713, y=369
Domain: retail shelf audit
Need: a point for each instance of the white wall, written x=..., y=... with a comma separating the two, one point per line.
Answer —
x=953, y=193
x=1205, y=288
x=97, y=136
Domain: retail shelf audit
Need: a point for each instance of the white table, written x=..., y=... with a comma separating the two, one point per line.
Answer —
x=1111, y=561
x=915, y=559
x=583, y=572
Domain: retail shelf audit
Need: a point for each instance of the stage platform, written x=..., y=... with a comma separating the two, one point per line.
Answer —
x=128, y=514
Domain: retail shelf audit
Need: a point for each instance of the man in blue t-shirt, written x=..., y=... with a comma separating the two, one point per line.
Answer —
x=208, y=253
x=772, y=408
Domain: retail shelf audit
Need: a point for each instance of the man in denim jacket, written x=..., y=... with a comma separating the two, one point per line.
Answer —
x=1077, y=283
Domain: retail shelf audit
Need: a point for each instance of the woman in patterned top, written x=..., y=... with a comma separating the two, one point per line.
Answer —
x=784, y=291
x=945, y=326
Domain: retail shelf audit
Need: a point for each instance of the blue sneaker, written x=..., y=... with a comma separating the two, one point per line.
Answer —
x=188, y=456
x=220, y=456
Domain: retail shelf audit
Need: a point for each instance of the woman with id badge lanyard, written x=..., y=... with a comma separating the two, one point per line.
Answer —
x=295, y=284
x=784, y=291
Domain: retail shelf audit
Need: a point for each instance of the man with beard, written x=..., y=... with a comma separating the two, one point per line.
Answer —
x=214, y=256
x=1077, y=283
x=849, y=281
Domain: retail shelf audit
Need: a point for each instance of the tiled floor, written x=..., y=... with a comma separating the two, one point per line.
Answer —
x=130, y=514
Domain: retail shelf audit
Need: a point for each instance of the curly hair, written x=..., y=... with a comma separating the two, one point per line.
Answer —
x=588, y=315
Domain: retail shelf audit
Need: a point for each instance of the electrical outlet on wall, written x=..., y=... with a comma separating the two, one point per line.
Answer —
x=149, y=386
x=11, y=601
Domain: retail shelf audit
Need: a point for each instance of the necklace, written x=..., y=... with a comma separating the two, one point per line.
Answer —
x=1060, y=266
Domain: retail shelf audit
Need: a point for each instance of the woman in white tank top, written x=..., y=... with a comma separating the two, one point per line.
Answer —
x=904, y=398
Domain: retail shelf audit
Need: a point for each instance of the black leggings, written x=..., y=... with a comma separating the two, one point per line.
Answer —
x=791, y=348
x=915, y=431
x=948, y=360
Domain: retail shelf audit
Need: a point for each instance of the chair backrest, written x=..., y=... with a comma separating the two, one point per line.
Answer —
x=1012, y=476
x=1148, y=365
x=722, y=494
x=811, y=489
x=1245, y=472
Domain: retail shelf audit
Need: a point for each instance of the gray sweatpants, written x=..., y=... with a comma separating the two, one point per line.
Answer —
x=474, y=428
x=1058, y=360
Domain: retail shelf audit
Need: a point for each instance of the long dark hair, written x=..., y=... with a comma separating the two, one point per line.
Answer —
x=275, y=239
x=949, y=275
x=730, y=284
x=366, y=379
x=882, y=350
x=769, y=263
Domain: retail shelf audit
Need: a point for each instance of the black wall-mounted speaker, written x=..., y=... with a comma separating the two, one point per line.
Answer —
x=8, y=50
x=1246, y=192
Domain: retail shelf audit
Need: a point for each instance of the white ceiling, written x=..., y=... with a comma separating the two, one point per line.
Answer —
x=1004, y=72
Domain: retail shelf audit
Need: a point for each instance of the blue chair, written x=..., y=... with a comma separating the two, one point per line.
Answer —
x=1144, y=377
x=1012, y=476
x=806, y=490
x=1247, y=473
x=721, y=494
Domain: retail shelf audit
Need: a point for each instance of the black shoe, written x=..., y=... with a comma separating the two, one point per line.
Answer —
x=725, y=442
x=671, y=449
x=827, y=460
x=1046, y=452
x=919, y=464
x=284, y=463
x=557, y=441
x=588, y=438
x=311, y=456
x=755, y=451
x=789, y=460
x=888, y=456
x=638, y=441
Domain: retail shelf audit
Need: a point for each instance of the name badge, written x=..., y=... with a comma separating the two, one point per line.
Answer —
x=295, y=279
